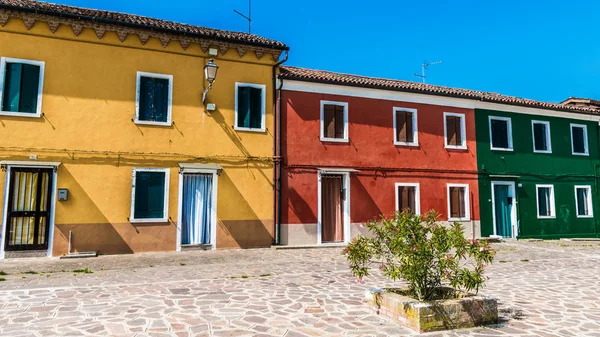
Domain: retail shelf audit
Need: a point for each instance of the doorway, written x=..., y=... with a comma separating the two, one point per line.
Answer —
x=504, y=209
x=197, y=209
x=28, y=210
x=334, y=213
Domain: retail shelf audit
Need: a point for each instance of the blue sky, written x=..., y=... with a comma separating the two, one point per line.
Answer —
x=540, y=49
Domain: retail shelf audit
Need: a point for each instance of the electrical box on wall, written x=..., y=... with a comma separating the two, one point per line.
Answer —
x=63, y=194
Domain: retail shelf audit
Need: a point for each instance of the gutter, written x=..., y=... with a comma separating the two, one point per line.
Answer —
x=135, y=25
x=277, y=149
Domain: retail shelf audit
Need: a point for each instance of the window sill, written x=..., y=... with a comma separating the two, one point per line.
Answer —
x=585, y=216
x=451, y=147
x=148, y=220
x=406, y=144
x=581, y=154
x=501, y=149
x=543, y=152
x=335, y=140
x=20, y=114
x=458, y=219
x=546, y=217
x=139, y=122
x=262, y=130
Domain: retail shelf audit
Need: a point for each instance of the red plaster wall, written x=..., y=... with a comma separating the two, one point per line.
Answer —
x=371, y=145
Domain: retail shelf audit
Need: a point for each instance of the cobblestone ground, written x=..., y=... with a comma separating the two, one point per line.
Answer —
x=543, y=288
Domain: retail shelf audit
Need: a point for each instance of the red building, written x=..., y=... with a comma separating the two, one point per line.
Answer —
x=355, y=147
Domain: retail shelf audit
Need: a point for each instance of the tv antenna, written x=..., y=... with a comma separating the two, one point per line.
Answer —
x=249, y=17
x=424, y=67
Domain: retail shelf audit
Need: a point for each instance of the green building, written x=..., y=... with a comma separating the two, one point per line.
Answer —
x=538, y=174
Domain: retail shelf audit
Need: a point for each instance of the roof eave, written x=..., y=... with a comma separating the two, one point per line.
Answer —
x=380, y=87
x=134, y=25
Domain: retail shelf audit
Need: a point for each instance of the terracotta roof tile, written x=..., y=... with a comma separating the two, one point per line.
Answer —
x=140, y=22
x=321, y=76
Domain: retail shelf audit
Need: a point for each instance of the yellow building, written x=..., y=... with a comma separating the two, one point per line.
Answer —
x=107, y=143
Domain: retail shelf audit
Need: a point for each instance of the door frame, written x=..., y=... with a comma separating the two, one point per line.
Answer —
x=513, y=212
x=213, y=221
x=346, y=181
x=7, y=185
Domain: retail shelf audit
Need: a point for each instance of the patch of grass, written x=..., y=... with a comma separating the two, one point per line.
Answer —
x=3, y=273
x=265, y=275
x=83, y=271
x=524, y=260
x=23, y=276
x=2, y=279
x=31, y=272
x=245, y=276
x=182, y=264
x=503, y=261
x=241, y=276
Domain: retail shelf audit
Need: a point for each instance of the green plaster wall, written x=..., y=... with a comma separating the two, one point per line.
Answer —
x=560, y=168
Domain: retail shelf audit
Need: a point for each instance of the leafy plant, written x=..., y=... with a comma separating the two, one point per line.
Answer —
x=422, y=252
x=83, y=271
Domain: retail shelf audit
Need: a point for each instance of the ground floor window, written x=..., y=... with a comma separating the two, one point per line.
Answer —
x=150, y=195
x=458, y=202
x=545, y=201
x=408, y=197
x=583, y=201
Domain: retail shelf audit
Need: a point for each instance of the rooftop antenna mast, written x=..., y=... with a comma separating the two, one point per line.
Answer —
x=424, y=67
x=249, y=17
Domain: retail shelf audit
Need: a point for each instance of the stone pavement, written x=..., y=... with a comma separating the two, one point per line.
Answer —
x=544, y=289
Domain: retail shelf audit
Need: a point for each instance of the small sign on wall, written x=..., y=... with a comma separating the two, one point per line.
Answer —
x=63, y=194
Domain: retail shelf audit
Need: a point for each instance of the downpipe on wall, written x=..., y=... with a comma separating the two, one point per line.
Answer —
x=277, y=147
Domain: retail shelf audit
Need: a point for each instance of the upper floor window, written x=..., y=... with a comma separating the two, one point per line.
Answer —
x=405, y=127
x=250, y=103
x=408, y=197
x=583, y=201
x=334, y=121
x=458, y=202
x=541, y=137
x=154, y=99
x=545, y=201
x=501, y=133
x=150, y=195
x=21, y=87
x=579, y=140
x=454, y=131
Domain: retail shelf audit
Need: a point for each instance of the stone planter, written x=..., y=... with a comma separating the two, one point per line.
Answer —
x=464, y=311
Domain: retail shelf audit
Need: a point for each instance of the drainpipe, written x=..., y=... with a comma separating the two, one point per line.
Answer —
x=277, y=147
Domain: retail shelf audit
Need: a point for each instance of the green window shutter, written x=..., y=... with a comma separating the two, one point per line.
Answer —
x=578, y=140
x=146, y=110
x=149, y=195
x=12, y=87
x=161, y=99
x=30, y=83
x=255, y=108
x=243, y=107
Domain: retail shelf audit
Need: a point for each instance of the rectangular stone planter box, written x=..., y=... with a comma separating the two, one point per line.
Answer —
x=466, y=312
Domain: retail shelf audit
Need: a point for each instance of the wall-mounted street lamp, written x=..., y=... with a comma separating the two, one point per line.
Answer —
x=210, y=74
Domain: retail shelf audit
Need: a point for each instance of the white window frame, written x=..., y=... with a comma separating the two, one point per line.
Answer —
x=537, y=201
x=585, y=140
x=549, y=140
x=463, y=131
x=322, y=134
x=137, y=120
x=417, y=187
x=263, y=88
x=589, y=201
x=40, y=64
x=466, y=201
x=165, y=217
x=415, y=128
x=508, y=120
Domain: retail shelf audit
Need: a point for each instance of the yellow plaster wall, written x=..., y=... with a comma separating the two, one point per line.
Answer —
x=89, y=103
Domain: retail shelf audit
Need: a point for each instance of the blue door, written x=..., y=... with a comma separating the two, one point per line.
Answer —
x=197, y=209
x=503, y=204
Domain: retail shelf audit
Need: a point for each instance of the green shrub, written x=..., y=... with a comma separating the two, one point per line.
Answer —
x=422, y=252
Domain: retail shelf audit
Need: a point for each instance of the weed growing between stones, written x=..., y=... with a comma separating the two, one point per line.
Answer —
x=83, y=271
